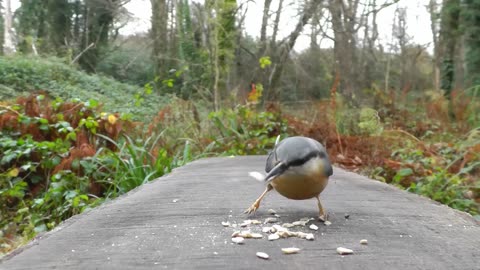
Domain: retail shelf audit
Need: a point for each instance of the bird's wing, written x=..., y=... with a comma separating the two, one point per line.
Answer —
x=295, y=151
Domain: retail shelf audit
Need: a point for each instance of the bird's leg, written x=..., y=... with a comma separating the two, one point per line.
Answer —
x=256, y=204
x=322, y=213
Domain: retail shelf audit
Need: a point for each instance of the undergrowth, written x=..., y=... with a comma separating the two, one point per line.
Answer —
x=59, y=158
x=20, y=75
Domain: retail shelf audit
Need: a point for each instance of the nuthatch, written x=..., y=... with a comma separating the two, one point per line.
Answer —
x=298, y=168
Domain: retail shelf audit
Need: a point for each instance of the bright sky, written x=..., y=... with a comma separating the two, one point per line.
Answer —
x=418, y=20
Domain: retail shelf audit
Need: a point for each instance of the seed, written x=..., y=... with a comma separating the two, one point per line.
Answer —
x=364, y=242
x=271, y=211
x=279, y=228
x=309, y=236
x=299, y=223
x=284, y=234
x=344, y=251
x=288, y=225
x=256, y=235
x=271, y=220
x=327, y=223
x=266, y=229
x=262, y=255
x=238, y=240
x=273, y=237
x=313, y=227
x=226, y=224
x=235, y=233
x=290, y=250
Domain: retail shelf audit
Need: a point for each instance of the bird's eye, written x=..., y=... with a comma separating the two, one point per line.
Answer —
x=321, y=155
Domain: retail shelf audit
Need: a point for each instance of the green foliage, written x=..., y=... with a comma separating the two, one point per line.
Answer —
x=446, y=188
x=433, y=176
x=243, y=131
x=127, y=64
x=264, y=62
x=31, y=74
x=471, y=22
x=133, y=163
x=369, y=122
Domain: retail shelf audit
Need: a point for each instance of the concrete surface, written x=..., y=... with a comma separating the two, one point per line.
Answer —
x=175, y=223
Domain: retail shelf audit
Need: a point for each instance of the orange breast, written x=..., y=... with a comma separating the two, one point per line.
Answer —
x=300, y=187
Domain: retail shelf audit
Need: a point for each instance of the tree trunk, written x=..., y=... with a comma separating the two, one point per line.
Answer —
x=344, y=29
x=159, y=36
x=60, y=24
x=2, y=29
x=309, y=9
x=8, y=47
x=434, y=22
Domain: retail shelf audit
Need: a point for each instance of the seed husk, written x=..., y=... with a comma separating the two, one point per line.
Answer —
x=290, y=250
x=273, y=237
x=262, y=255
x=238, y=240
x=344, y=251
x=270, y=220
x=226, y=224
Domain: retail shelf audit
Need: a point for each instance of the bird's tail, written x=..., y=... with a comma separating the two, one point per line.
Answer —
x=257, y=176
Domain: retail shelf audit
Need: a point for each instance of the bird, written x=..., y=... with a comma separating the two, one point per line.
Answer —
x=298, y=168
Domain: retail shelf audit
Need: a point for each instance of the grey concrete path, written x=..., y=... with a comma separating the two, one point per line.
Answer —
x=175, y=223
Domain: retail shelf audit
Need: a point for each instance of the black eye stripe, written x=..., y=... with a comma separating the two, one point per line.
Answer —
x=300, y=162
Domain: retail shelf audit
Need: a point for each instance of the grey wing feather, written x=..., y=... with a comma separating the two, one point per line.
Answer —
x=296, y=150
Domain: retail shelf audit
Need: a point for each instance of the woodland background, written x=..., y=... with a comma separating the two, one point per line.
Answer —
x=87, y=114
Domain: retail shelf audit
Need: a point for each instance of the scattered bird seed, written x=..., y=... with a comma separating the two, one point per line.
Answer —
x=255, y=222
x=313, y=227
x=226, y=224
x=266, y=229
x=235, y=233
x=273, y=237
x=309, y=236
x=364, y=242
x=256, y=235
x=271, y=211
x=327, y=223
x=299, y=223
x=344, y=251
x=288, y=225
x=262, y=255
x=290, y=250
x=175, y=200
x=279, y=228
x=270, y=220
x=238, y=240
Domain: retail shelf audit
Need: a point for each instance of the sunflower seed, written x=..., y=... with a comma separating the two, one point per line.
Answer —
x=344, y=251
x=226, y=224
x=271, y=211
x=238, y=240
x=290, y=250
x=270, y=220
x=273, y=237
x=262, y=255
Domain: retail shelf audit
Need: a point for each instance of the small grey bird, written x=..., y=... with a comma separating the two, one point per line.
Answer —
x=298, y=168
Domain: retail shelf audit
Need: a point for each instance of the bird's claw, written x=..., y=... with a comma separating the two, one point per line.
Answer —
x=323, y=217
x=251, y=209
